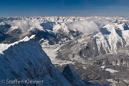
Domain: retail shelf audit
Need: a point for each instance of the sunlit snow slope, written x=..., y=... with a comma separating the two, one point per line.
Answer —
x=27, y=60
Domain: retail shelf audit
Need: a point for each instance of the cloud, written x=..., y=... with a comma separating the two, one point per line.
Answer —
x=86, y=27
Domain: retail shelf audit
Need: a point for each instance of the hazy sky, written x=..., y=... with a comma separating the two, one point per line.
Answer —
x=64, y=8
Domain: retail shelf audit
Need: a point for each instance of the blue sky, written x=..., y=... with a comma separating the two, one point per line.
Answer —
x=64, y=8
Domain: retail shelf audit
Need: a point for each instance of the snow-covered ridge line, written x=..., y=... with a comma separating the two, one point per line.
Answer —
x=6, y=46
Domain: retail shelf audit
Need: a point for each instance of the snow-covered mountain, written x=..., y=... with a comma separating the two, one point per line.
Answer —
x=84, y=42
x=25, y=61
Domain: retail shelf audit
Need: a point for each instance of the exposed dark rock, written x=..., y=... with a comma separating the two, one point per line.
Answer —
x=72, y=76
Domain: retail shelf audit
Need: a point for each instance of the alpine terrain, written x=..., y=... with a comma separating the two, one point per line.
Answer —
x=65, y=51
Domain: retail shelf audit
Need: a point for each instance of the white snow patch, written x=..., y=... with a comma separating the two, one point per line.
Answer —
x=102, y=67
x=84, y=67
x=111, y=70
